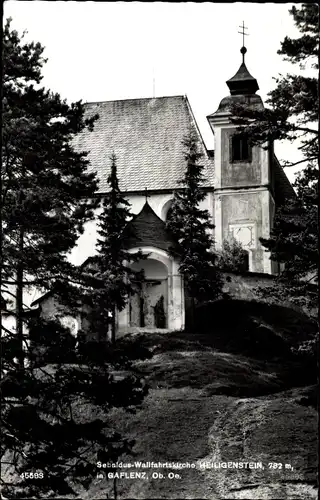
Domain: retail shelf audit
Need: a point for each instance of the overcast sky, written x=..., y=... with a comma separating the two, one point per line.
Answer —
x=118, y=50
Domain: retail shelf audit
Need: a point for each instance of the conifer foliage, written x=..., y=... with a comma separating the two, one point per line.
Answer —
x=191, y=228
x=293, y=115
x=51, y=434
x=233, y=257
x=114, y=280
x=46, y=190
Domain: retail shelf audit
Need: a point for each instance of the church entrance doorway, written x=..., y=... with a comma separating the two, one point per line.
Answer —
x=149, y=307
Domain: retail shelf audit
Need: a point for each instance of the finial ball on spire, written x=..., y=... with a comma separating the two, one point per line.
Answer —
x=243, y=50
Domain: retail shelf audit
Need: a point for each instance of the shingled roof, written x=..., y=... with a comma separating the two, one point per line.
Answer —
x=145, y=135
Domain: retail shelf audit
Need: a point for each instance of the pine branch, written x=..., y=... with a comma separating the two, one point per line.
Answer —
x=306, y=130
x=288, y=164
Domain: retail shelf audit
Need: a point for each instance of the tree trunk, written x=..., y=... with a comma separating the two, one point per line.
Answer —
x=113, y=326
x=19, y=302
x=193, y=314
x=115, y=492
x=190, y=304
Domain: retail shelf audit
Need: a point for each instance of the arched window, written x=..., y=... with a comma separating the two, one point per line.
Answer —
x=166, y=209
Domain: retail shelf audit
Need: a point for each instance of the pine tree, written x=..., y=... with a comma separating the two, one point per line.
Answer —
x=294, y=243
x=46, y=189
x=54, y=416
x=191, y=228
x=293, y=115
x=47, y=196
x=114, y=280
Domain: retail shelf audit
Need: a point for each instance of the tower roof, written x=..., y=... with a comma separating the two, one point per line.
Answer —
x=242, y=83
x=243, y=87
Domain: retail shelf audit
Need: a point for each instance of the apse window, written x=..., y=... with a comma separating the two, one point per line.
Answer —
x=240, y=149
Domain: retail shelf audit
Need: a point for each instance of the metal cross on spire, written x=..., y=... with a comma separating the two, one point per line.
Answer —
x=243, y=33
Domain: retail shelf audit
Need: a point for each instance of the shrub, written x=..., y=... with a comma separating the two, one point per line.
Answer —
x=307, y=348
x=233, y=257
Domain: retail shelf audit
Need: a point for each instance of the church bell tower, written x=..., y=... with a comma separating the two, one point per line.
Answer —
x=244, y=205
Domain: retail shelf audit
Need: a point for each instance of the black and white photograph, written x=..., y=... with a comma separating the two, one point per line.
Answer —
x=159, y=250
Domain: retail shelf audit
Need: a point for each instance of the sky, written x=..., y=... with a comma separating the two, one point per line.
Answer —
x=125, y=50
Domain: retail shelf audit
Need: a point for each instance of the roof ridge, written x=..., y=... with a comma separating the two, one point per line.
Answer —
x=135, y=99
x=196, y=125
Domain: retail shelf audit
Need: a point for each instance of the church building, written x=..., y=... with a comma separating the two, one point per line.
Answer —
x=243, y=186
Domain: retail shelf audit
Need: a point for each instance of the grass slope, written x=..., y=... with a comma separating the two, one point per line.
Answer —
x=268, y=430
x=194, y=404
x=233, y=393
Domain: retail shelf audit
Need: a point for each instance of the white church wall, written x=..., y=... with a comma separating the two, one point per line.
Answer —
x=156, y=202
x=30, y=294
x=86, y=243
x=160, y=203
x=9, y=323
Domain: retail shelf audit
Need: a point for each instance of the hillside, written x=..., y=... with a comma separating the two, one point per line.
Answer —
x=218, y=405
x=234, y=393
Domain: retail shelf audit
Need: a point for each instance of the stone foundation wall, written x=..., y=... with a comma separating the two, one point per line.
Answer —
x=242, y=286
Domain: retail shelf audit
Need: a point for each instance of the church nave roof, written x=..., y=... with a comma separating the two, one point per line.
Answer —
x=145, y=135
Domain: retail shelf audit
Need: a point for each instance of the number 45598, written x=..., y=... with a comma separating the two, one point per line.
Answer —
x=32, y=475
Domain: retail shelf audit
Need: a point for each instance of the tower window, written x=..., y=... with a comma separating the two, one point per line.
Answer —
x=240, y=149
